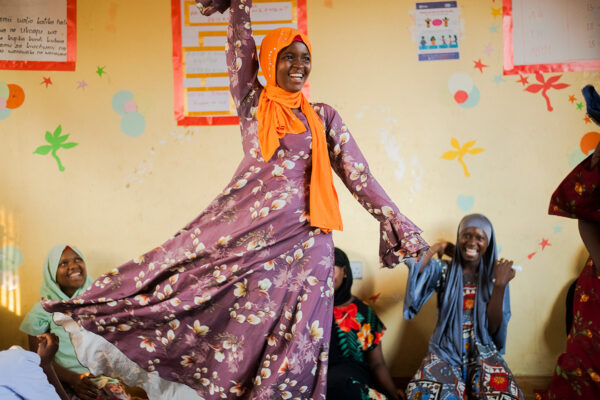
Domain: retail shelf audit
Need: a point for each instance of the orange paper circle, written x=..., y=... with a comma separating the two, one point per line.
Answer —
x=16, y=96
x=589, y=141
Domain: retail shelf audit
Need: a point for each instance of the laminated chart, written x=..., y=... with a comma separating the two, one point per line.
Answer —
x=200, y=73
x=551, y=35
x=38, y=34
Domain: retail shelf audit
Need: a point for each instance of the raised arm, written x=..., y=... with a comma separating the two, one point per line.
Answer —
x=242, y=60
x=240, y=49
x=399, y=235
x=424, y=278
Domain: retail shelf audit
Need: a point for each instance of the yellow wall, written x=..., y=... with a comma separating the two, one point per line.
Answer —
x=119, y=196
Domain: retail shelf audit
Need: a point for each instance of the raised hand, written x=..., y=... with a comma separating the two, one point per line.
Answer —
x=503, y=272
x=209, y=7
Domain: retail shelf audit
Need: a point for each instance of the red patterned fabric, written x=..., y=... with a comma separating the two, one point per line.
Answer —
x=577, y=372
x=578, y=195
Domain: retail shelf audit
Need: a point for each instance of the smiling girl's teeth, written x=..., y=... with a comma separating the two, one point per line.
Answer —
x=296, y=75
x=471, y=252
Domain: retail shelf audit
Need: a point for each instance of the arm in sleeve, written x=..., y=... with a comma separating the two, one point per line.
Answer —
x=241, y=56
x=420, y=286
x=37, y=321
x=399, y=235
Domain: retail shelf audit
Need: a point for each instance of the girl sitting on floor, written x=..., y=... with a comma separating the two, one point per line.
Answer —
x=65, y=277
x=356, y=364
x=464, y=358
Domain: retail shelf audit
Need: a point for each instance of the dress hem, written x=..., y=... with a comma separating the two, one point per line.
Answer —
x=103, y=358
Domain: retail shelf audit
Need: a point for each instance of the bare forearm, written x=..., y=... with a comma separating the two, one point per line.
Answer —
x=384, y=380
x=494, y=308
x=65, y=375
x=54, y=380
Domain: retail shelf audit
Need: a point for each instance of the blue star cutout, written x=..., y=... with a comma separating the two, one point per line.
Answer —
x=493, y=28
x=498, y=79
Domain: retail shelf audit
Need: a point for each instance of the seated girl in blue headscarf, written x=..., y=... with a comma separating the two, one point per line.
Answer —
x=464, y=358
x=64, y=277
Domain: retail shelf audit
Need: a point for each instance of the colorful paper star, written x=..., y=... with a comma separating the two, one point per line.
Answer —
x=46, y=81
x=524, y=80
x=100, y=71
x=530, y=256
x=587, y=119
x=579, y=105
x=544, y=243
x=479, y=65
x=82, y=85
x=572, y=99
x=498, y=79
x=493, y=28
x=496, y=12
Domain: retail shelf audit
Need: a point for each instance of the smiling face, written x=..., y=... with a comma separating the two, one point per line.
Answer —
x=472, y=244
x=71, y=273
x=293, y=67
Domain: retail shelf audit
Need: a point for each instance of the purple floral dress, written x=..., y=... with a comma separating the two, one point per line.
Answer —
x=238, y=303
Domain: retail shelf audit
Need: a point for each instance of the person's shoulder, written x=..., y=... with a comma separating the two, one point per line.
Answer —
x=323, y=108
x=326, y=112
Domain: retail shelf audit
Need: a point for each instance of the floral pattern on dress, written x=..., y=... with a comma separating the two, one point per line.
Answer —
x=356, y=331
x=238, y=303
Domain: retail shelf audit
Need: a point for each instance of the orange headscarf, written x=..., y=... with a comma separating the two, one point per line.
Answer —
x=276, y=119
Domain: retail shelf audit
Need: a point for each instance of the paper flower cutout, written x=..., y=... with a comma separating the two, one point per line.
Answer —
x=546, y=85
x=460, y=152
x=56, y=141
x=133, y=123
x=11, y=96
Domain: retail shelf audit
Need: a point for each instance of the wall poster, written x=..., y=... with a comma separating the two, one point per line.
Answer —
x=437, y=29
x=551, y=35
x=38, y=34
x=200, y=73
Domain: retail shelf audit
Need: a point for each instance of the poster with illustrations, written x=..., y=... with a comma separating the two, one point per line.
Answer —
x=201, y=80
x=437, y=30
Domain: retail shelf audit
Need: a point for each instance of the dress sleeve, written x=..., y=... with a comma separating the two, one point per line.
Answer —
x=420, y=287
x=36, y=322
x=377, y=327
x=399, y=235
x=242, y=60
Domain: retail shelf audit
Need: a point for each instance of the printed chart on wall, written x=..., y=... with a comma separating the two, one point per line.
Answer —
x=551, y=35
x=38, y=34
x=200, y=73
x=437, y=30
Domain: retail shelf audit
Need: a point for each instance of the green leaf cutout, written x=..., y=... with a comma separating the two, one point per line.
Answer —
x=43, y=150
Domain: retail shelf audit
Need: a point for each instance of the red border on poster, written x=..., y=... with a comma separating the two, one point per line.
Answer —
x=183, y=120
x=68, y=65
x=511, y=69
